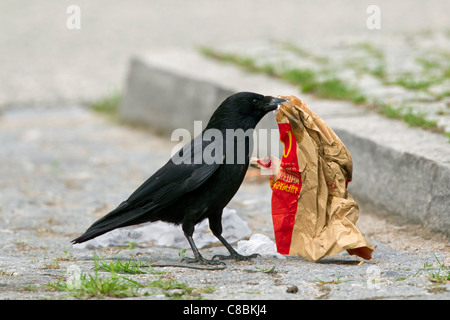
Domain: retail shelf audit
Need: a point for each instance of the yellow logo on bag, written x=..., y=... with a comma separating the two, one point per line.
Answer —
x=289, y=133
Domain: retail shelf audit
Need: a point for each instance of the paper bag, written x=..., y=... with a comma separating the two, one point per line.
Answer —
x=313, y=214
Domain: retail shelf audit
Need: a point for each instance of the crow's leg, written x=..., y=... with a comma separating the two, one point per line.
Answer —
x=215, y=224
x=188, y=229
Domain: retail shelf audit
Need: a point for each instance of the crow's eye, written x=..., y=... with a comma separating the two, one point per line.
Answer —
x=255, y=102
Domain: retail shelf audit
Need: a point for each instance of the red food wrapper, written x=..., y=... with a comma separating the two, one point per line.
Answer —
x=313, y=214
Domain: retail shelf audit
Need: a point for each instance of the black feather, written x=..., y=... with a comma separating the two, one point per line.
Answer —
x=185, y=192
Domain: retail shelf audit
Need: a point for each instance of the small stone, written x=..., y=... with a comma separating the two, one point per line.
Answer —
x=292, y=289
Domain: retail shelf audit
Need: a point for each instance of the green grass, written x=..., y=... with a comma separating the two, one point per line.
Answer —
x=99, y=286
x=446, y=73
x=338, y=280
x=266, y=270
x=401, y=279
x=433, y=72
x=131, y=266
x=335, y=88
x=419, y=120
x=370, y=49
x=305, y=78
x=249, y=64
x=439, y=274
x=407, y=81
x=174, y=289
x=447, y=134
x=107, y=281
x=182, y=254
x=108, y=105
x=428, y=64
x=443, y=95
x=303, y=53
x=425, y=266
x=330, y=88
x=379, y=72
x=413, y=119
x=391, y=112
x=442, y=275
x=325, y=84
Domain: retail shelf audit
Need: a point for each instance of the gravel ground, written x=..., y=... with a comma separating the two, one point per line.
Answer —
x=61, y=170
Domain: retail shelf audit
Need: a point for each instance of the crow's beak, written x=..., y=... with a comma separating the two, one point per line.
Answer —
x=272, y=103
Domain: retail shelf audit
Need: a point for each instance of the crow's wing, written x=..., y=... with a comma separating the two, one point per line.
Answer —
x=169, y=183
x=184, y=172
x=177, y=177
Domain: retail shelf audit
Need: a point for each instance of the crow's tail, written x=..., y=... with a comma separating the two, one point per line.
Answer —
x=122, y=216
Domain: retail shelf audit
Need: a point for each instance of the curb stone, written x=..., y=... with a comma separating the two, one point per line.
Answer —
x=404, y=171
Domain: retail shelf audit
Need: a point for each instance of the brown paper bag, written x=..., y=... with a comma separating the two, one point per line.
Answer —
x=313, y=214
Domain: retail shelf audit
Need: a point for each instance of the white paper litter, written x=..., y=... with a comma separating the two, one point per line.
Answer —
x=163, y=234
x=261, y=244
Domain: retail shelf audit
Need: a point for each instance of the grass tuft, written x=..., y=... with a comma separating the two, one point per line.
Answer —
x=326, y=84
x=413, y=119
x=96, y=285
x=132, y=266
x=108, y=105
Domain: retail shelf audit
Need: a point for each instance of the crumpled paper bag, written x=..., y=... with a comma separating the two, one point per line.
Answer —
x=313, y=214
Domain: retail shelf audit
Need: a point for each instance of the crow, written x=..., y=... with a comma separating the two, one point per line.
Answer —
x=199, y=180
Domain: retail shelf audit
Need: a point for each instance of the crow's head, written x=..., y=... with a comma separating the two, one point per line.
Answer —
x=243, y=110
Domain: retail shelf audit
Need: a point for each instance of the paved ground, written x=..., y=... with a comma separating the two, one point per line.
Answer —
x=63, y=169
x=62, y=166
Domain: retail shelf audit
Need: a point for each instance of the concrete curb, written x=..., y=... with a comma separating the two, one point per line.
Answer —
x=402, y=170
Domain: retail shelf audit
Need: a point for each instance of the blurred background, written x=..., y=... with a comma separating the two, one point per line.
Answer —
x=41, y=60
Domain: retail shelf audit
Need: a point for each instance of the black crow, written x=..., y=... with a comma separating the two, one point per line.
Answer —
x=200, y=179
